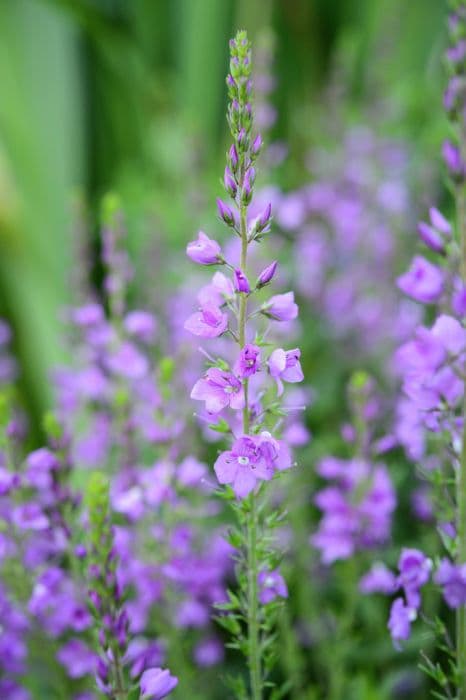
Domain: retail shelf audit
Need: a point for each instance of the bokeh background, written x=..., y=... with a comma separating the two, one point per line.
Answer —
x=102, y=95
x=128, y=97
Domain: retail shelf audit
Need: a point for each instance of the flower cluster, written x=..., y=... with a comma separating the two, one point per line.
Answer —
x=110, y=614
x=239, y=384
x=358, y=503
x=346, y=225
x=431, y=365
x=237, y=389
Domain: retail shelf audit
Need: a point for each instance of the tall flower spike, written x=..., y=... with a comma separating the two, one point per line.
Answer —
x=432, y=367
x=255, y=455
x=108, y=609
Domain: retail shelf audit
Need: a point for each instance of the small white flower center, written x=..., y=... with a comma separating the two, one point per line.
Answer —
x=269, y=582
x=229, y=389
x=243, y=460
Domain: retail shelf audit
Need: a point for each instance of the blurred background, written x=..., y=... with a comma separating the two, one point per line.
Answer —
x=102, y=95
x=128, y=97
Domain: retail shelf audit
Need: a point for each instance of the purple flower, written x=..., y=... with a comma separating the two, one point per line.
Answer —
x=217, y=292
x=88, y=315
x=241, y=282
x=141, y=324
x=77, y=658
x=432, y=238
x=242, y=466
x=157, y=683
x=281, y=307
x=249, y=361
x=208, y=652
x=29, y=516
x=414, y=568
x=285, y=366
x=271, y=586
x=204, y=250
x=439, y=222
x=229, y=182
x=142, y=654
x=262, y=223
x=450, y=334
x=453, y=161
x=400, y=620
x=8, y=481
x=267, y=274
x=209, y=322
x=10, y=690
x=378, y=579
x=191, y=472
x=452, y=578
x=39, y=465
x=423, y=281
x=225, y=213
x=218, y=389
x=128, y=362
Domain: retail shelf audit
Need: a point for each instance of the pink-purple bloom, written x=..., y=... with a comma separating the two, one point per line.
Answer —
x=271, y=586
x=157, y=683
x=249, y=361
x=243, y=465
x=204, y=250
x=399, y=623
x=219, y=389
x=281, y=307
x=452, y=579
x=284, y=366
x=423, y=281
x=209, y=322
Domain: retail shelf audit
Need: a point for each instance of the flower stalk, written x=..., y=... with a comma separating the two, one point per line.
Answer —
x=237, y=383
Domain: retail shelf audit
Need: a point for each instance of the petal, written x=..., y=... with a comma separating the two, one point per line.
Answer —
x=216, y=401
x=277, y=362
x=194, y=324
x=244, y=482
x=200, y=390
x=237, y=400
x=293, y=374
x=226, y=467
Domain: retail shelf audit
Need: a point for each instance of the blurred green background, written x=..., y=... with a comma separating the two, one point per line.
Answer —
x=129, y=95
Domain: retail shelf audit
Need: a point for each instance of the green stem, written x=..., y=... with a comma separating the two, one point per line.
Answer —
x=120, y=692
x=254, y=660
x=461, y=479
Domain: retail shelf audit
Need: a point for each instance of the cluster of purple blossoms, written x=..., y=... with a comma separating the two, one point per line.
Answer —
x=256, y=456
x=415, y=570
x=357, y=507
x=346, y=227
x=241, y=389
x=431, y=365
x=117, y=408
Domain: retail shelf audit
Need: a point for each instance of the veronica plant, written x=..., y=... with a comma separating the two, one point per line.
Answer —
x=242, y=393
x=106, y=597
x=432, y=367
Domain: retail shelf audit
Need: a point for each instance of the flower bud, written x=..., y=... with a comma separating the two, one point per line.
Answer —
x=246, y=192
x=267, y=274
x=242, y=138
x=453, y=161
x=241, y=282
x=256, y=145
x=229, y=182
x=233, y=158
x=225, y=213
x=263, y=222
